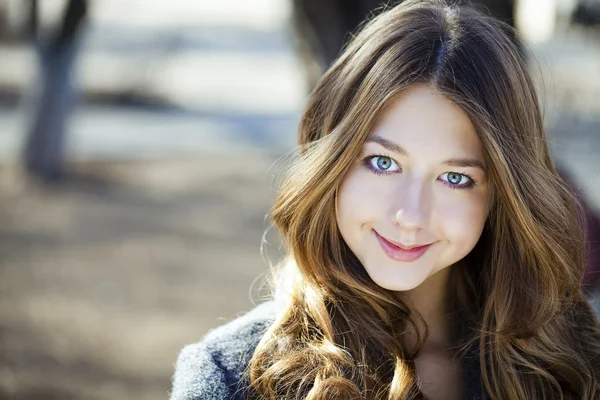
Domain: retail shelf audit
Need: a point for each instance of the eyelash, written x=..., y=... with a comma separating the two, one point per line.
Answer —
x=367, y=163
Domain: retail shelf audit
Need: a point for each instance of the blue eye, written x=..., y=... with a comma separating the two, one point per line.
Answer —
x=458, y=181
x=455, y=178
x=381, y=164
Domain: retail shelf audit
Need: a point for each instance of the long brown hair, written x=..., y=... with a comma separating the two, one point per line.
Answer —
x=337, y=333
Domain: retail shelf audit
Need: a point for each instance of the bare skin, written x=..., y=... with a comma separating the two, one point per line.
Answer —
x=439, y=374
x=437, y=370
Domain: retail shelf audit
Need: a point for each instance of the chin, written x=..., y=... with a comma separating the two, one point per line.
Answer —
x=397, y=282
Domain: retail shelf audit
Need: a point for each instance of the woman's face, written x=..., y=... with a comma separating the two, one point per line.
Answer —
x=419, y=181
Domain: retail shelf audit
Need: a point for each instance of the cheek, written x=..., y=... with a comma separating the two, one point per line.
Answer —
x=359, y=199
x=463, y=220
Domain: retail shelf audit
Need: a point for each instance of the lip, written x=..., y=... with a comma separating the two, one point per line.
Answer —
x=397, y=253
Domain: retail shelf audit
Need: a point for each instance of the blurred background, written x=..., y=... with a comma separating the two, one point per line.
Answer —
x=139, y=143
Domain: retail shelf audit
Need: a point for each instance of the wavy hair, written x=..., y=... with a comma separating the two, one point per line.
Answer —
x=337, y=334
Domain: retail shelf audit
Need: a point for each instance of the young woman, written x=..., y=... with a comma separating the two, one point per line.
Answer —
x=434, y=252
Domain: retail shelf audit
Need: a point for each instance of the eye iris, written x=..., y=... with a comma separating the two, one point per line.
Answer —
x=454, y=178
x=383, y=163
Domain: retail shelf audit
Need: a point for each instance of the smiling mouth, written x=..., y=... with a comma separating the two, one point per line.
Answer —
x=402, y=246
x=399, y=252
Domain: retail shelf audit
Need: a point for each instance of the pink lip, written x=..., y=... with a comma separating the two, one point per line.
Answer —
x=397, y=253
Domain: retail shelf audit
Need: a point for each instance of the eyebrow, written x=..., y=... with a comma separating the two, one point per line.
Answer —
x=455, y=162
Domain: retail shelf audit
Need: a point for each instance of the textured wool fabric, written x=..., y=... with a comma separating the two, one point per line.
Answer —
x=212, y=369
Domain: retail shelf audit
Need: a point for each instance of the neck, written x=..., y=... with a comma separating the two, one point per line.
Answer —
x=429, y=300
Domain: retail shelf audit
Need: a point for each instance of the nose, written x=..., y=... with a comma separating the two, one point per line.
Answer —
x=410, y=206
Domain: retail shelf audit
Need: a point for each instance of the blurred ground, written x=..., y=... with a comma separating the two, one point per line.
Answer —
x=155, y=237
x=105, y=278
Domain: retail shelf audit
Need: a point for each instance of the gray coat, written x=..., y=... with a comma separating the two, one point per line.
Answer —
x=212, y=369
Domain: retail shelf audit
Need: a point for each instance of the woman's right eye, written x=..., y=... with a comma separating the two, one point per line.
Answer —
x=381, y=164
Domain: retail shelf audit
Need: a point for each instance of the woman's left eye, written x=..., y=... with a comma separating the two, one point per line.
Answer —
x=457, y=180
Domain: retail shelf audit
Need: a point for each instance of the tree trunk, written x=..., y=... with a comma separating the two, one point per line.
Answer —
x=44, y=151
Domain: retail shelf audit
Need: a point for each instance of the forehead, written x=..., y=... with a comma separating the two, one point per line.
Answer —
x=423, y=121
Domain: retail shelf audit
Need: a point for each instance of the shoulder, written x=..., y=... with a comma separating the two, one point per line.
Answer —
x=212, y=368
